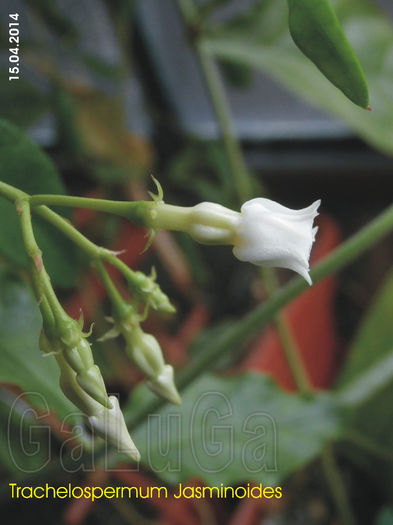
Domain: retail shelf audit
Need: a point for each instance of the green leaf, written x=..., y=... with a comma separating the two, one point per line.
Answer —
x=385, y=517
x=317, y=33
x=374, y=337
x=21, y=361
x=267, y=45
x=25, y=166
x=22, y=103
x=24, y=437
x=234, y=429
x=367, y=377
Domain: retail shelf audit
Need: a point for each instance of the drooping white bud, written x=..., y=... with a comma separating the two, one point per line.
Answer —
x=110, y=425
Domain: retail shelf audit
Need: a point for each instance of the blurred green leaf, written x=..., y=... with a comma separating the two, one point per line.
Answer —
x=374, y=337
x=233, y=429
x=267, y=45
x=26, y=167
x=21, y=361
x=238, y=74
x=22, y=103
x=23, y=436
x=385, y=517
x=318, y=34
x=371, y=357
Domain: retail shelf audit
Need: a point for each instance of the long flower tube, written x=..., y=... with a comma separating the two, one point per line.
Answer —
x=263, y=233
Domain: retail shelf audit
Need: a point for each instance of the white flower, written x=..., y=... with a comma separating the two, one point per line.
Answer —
x=263, y=233
x=269, y=234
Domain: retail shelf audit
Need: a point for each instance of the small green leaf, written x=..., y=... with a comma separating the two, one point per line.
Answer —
x=25, y=166
x=317, y=32
x=233, y=429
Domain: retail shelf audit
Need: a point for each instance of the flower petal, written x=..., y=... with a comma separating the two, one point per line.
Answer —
x=269, y=234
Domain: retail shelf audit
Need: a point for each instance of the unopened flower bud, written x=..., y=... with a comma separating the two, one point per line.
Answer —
x=164, y=385
x=92, y=382
x=77, y=353
x=146, y=289
x=73, y=391
x=145, y=351
x=86, y=390
x=110, y=425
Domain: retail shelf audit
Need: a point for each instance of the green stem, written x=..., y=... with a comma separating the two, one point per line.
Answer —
x=11, y=193
x=292, y=355
x=15, y=195
x=337, y=487
x=133, y=211
x=118, y=303
x=289, y=345
x=220, y=105
x=69, y=230
x=41, y=280
x=92, y=250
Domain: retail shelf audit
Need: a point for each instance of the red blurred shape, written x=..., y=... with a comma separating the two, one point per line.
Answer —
x=78, y=509
x=83, y=216
x=311, y=319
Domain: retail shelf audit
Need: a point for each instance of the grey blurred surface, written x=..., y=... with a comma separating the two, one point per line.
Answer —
x=96, y=39
x=264, y=111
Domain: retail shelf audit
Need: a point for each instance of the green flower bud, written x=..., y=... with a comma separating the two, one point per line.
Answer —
x=86, y=390
x=164, y=385
x=145, y=351
x=108, y=423
x=78, y=355
x=44, y=344
x=73, y=391
x=76, y=345
x=149, y=291
x=92, y=382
